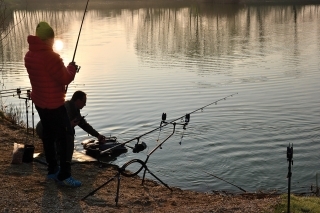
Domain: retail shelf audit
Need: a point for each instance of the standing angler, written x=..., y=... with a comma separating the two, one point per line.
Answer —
x=48, y=77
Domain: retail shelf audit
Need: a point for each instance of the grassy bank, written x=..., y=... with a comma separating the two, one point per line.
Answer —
x=298, y=204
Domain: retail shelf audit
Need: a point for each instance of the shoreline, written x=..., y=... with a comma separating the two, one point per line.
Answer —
x=25, y=189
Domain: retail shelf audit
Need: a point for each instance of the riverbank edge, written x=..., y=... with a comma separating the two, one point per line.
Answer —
x=24, y=188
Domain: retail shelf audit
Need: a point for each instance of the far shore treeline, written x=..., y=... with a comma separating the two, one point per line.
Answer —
x=17, y=3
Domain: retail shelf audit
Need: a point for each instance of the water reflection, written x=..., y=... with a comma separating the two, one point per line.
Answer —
x=189, y=34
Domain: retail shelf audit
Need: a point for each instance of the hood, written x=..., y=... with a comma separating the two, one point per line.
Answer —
x=36, y=44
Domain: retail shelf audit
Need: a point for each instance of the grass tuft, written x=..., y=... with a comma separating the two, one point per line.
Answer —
x=298, y=204
x=12, y=114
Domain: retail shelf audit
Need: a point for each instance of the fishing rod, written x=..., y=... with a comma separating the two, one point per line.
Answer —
x=225, y=181
x=84, y=14
x=11, y=90
x=6, y=96
x=75, y=50
x=165, y=123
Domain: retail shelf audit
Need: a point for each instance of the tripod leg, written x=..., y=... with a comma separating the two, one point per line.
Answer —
x=118, y=189
x=94, y=191
x=144, y=174
x=146, y=168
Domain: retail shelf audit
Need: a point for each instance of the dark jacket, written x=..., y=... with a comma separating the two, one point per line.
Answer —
x=73, y=113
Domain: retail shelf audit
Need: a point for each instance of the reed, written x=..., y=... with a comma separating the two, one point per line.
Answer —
x=12, y=114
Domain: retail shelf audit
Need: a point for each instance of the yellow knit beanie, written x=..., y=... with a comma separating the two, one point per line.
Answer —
x=44, y=31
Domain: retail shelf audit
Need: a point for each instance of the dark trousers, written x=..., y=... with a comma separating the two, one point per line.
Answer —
x=57, y=134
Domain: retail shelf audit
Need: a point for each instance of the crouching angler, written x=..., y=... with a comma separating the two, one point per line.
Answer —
x=73, y=106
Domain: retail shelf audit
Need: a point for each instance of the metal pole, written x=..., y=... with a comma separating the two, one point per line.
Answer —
x=289, y=159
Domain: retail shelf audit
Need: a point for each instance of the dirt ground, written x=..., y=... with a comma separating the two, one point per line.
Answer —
x=24, y=189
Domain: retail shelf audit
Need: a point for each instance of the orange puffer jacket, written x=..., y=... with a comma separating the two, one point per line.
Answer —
x=47, y=73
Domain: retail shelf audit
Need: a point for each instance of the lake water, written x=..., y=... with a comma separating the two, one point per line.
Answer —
x=140, y=60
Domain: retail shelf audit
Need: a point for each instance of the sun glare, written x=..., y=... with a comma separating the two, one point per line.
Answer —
x=58, y=45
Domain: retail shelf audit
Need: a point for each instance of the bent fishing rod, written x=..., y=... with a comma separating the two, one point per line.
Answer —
x=75, y=50
x=165, y=123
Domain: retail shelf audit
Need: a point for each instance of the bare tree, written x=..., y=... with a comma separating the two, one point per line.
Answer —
x=3, y=34
x=3, y=10
x=3, y=17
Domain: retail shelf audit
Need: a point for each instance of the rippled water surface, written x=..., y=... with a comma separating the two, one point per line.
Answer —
x=139, y=61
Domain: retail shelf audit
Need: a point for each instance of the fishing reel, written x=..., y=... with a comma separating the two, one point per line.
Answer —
x=139, y=147
x=78, y=68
